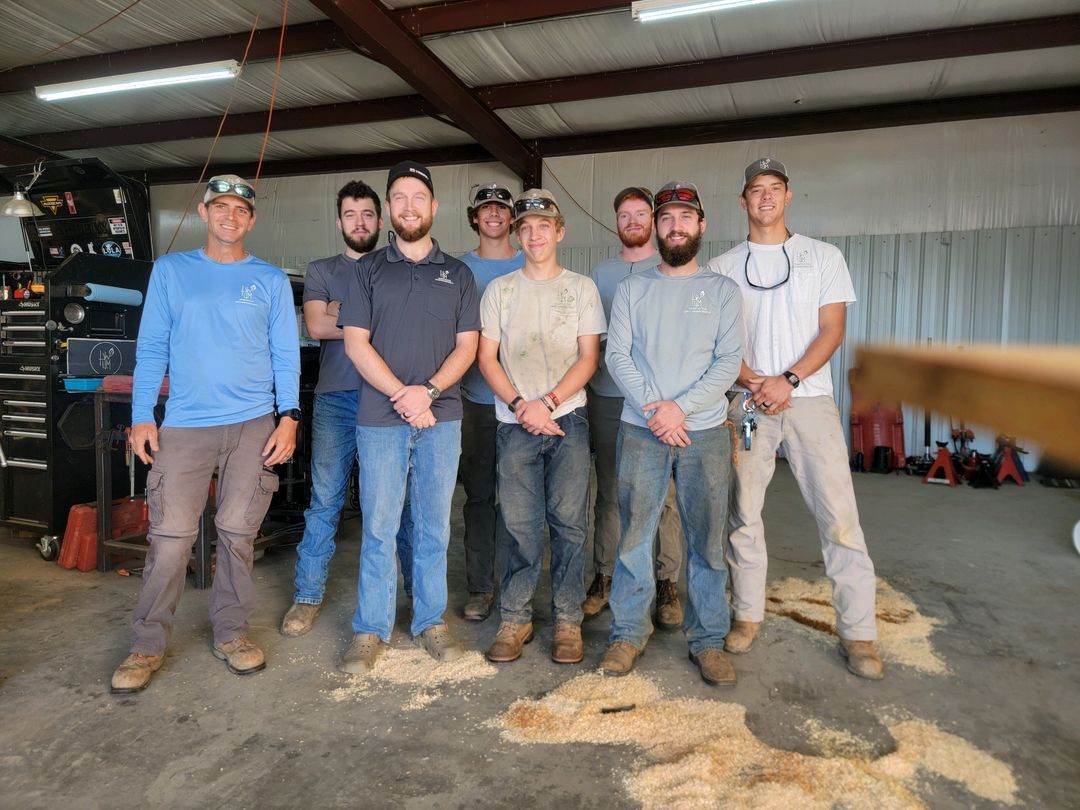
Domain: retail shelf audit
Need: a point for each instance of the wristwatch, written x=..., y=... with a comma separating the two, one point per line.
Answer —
x=432, y=390
x=292, y=413
x=792, y=378
x=514, y=404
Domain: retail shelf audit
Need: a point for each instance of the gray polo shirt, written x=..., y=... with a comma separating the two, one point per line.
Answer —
x=328, y=280
x=414, y=312
x=607, y=276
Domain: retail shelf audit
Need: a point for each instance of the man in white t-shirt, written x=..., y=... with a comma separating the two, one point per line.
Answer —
x=795, y=294
x=540, y=344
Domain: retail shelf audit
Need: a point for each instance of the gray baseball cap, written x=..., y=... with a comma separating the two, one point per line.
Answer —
x=764, y=166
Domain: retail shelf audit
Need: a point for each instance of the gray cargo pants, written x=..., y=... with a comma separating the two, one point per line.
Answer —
x=176, y=492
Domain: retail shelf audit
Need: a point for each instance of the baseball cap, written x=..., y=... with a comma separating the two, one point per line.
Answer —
x=491, y=192
x=677, y=192
x=633, y=192
x=536, y=201
x=229, y=185
x=764, y=166
x=410, y=168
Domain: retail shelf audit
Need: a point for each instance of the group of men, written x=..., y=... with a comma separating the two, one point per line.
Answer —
x=525, y=371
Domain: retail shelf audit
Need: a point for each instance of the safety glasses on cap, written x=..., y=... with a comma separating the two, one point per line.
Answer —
x=492, y=194
x=228, y=187
x=533, y=204
x=683, y=193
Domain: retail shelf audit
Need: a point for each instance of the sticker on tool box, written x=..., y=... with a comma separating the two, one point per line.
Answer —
x=117, y=225
x=110, y=249
x=58, y=252
x=44, y=231
x=70, y=202
x=127, y=248
x=51, y=201
x=118, y=195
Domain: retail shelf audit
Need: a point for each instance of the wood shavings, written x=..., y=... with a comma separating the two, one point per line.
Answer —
x=414, y=667
x=701, y=754
x=903, y=632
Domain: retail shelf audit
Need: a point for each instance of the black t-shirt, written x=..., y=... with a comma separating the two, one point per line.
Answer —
x=414, y=312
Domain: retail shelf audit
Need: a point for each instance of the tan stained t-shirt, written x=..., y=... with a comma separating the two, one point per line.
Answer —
x=537, y=325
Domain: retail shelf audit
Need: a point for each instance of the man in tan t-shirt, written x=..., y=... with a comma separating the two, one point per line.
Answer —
x=539, y=345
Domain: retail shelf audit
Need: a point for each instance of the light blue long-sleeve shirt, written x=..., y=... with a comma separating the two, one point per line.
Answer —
x=677, y=338
x=227, y=335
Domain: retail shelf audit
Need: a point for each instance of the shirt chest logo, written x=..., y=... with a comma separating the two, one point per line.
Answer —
x=247, y=295
x=802, y=258
x=699, y=302
x=444, y=277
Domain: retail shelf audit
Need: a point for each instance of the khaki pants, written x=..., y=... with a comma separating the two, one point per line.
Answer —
x=176, y=491
x=813, y=441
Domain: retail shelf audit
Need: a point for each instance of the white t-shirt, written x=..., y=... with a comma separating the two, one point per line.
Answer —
x=537, y=325
x=782, y=323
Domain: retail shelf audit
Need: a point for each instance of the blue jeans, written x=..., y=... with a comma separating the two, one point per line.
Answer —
x=544, y=477
x=333, y=451
x=395, y=462
x=702, y=484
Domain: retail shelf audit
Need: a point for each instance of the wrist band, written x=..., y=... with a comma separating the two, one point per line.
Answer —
x=514, y=403
x=548, y=405
x=554, y=398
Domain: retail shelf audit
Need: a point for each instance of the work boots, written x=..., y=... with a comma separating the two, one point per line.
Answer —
x=715, y=669
x=567, y=647
x=619, y=658
x=509, y=642
x=478, y=606
x=240, y=656
x=862, y=659
x=596, y=598
x=741, y=636
x=299, y=618
x=134, y=673
x=669, y=611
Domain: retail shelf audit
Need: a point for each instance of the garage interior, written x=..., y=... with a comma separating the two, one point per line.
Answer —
x=936, y=145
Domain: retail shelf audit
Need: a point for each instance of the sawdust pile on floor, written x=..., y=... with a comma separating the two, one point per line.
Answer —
x=414, y=667
x=834, y=742
x=903, y=632
x=700, y=753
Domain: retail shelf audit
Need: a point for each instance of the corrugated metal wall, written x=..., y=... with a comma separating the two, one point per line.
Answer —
x=1020, y=285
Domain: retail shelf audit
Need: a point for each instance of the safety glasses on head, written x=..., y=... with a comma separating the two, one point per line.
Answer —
x=227, y=187
x=679, y=193
x=531, y=205
x=492, y=193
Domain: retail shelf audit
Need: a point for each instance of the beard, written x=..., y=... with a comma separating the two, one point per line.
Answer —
x=414, y=234
x=678, y=255
x=364, y=245
x=638, y=240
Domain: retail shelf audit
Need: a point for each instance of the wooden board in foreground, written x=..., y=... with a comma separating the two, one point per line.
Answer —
x=1027, y=391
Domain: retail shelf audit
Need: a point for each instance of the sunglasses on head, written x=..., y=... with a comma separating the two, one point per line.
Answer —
x=488, y=194
x=225, y=186
x=686, y=194
x=534, y=204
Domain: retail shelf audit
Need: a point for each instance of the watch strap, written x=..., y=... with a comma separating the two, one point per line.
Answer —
x=792, y=378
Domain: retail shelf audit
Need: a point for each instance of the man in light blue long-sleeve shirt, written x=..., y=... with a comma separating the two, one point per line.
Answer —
x=222, y=323
x=674, y=348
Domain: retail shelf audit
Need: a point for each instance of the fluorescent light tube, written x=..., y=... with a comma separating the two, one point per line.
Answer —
x=136, y=81
x=650, y=10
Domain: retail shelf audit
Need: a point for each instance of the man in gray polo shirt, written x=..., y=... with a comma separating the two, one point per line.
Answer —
x=633, y=218
x=411, y=320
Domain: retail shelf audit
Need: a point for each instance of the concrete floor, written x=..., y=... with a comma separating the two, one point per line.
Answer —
x=997, y=567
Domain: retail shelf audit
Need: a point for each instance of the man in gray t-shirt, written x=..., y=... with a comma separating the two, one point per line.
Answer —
x=633, y=218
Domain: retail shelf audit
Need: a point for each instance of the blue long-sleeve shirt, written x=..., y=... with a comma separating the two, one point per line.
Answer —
x=226, y=333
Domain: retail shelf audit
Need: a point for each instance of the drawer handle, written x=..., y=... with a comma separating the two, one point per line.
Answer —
x=29, y=465
x=19, y=418
x=24, y=404
x=12, y=376
x=28, y=434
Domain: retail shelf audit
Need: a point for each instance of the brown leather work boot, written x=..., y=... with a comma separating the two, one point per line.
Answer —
x=509, y=642
x=478, y=606
x=740, y=637
x=862, y=659
x=715, y=669
x=596, y=598
x=240, y=656
x=619, y=658
x=567, y=647
x=299, y=618
x=669, y=612
x=134, y=673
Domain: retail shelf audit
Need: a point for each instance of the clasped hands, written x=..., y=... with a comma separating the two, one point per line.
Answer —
x=413, y=404
x=668, y=422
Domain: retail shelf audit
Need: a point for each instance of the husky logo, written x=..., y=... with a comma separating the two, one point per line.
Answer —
x=247, y=294
x=444, y=276
x=699, y=302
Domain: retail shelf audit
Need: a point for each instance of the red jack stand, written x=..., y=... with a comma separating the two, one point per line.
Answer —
x=941, y=471
x=1008, y=468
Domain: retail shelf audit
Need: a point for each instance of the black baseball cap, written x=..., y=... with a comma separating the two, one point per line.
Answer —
x=410, y=168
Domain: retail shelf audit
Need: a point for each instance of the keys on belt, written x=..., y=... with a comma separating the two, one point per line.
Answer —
x=749, y=422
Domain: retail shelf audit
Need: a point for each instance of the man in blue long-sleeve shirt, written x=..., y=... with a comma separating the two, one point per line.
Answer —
x=222, y=323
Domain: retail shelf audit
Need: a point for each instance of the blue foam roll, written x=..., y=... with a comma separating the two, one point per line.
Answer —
x=113, y=295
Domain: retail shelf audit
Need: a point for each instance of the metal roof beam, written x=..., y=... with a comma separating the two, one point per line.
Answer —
x=370, y=24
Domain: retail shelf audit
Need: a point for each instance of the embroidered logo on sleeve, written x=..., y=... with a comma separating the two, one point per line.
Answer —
x=247, y=294
x=699, y=302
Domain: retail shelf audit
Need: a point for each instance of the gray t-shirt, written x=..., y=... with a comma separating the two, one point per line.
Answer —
x=414, y=312
x=678, y=338
x=607, y=276
x=328, y=280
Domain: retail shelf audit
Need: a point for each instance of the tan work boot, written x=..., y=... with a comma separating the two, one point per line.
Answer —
x=509, y=642
x=134, y=673
x=299, y=618
x=362, y=653
x=715, y=669
x=478, y=606
x=440, y=644
x=567, y=647
x=669, y=612
x=862, y=659
x=596, y=598
x=619, y=658
x=740, y=637
x=240, y=656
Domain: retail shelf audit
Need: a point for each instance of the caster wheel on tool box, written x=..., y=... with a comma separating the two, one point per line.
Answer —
x=49, y=547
